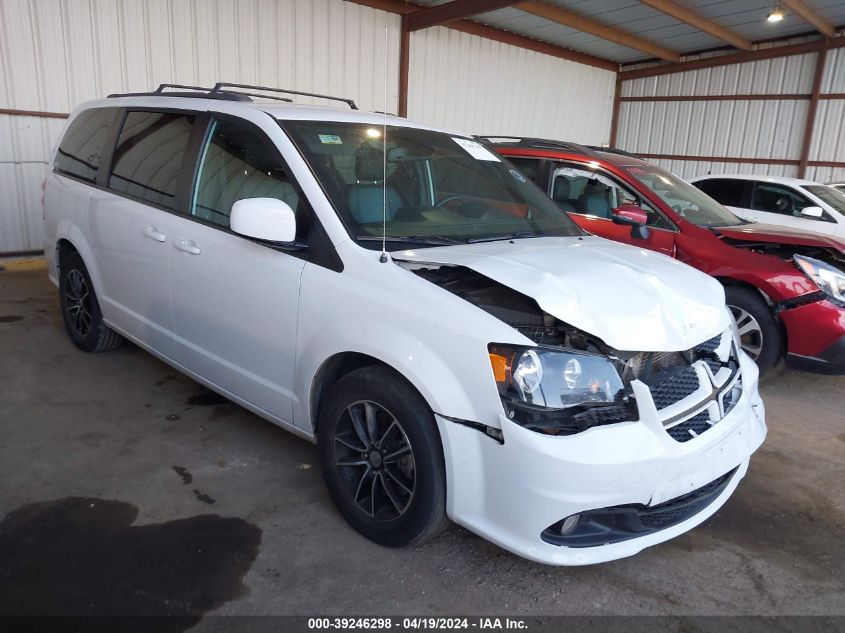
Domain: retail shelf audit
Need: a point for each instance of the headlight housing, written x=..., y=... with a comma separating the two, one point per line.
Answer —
x=830, y=280
x=559, y=391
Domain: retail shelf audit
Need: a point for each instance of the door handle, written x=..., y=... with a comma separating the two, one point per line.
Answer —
x=154, y=234
x=187, y=246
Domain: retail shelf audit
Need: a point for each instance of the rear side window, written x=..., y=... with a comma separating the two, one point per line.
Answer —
x=148, y=156
x=728, y=192
x=82, y=145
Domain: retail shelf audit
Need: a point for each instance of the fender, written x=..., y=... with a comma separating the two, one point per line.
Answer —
x=433, y=338
x=445, y=388
x=72, y=233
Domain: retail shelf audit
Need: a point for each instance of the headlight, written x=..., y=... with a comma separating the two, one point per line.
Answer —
x=830, y=280
x=558, y=391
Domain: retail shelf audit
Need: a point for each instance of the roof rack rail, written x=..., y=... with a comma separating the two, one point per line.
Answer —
x=183, y=91
x=226, y=88
x=614, y=150
x=228, y=92
x=519, y=141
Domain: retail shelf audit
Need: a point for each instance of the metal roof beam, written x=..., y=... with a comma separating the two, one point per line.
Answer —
x=604, y=31
x=455, y=10
x=406, y=9
x=735, y=58
x=808, y=15
x=682, y=14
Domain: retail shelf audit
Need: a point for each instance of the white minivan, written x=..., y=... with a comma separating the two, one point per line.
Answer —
x=451, y=340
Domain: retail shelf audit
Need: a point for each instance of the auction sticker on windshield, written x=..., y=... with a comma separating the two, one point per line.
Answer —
x=476, y=150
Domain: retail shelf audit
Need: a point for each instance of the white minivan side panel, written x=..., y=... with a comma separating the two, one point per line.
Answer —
x=132, y=242
x=235, y=302
x=66, y=218
x=235, y=306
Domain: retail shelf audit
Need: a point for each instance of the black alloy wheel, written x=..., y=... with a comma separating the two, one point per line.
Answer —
x=381, y=457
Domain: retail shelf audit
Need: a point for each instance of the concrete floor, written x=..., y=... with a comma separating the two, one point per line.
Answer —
x=126, y=486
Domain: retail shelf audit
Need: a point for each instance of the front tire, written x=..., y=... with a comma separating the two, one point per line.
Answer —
x=759, y=332
x=81, y=310
x=381, y=457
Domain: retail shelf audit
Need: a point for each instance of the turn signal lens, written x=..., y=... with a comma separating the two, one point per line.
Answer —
x=500, y=367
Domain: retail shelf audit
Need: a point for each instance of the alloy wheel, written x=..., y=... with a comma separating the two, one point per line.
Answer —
x=78, y=302
x=374, y=456
x=750, y=332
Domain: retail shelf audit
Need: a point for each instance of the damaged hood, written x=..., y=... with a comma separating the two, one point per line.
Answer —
x=772, y=234
x=631, y=298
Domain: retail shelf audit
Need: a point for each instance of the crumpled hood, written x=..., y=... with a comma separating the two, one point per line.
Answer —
x=631, y=298
x=772, y=234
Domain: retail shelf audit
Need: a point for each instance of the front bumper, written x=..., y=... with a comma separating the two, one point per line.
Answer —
x=830, y=360
x=510, y=492
x=816, y=337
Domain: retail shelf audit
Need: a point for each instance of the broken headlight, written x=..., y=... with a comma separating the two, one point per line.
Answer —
x=559, y=391
x=830, y=280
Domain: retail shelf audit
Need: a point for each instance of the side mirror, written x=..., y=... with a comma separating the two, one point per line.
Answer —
x=631, y=215
x=267, y=219
x=812, y=212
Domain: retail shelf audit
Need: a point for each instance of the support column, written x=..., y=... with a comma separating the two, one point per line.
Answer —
x=617, y=104
x=404, y=61
x=810, y=123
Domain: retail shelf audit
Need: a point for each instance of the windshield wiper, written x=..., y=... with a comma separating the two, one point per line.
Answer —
x=433, y=240
x=510, y=236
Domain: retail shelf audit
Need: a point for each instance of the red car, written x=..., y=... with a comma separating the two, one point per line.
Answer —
x=785, y=287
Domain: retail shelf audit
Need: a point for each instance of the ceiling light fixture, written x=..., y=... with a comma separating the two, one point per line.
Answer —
x=776, y=15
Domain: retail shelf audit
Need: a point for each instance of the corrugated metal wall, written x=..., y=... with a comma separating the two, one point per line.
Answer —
x=828, y=142
x=767, y=129
x=476, y=85
x=55, y=54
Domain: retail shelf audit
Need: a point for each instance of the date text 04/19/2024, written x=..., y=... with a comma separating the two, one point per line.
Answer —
x=417, y=623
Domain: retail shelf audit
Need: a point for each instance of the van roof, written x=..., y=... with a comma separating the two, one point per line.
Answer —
x=277, y=110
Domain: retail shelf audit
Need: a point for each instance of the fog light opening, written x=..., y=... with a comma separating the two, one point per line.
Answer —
x=569, y=524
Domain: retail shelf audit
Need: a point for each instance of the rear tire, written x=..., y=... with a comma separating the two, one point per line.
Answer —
x=382, y=459
x=81, y=310
x=759, y=332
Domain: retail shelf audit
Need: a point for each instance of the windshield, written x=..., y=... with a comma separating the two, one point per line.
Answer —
x=689, y=202
x=828, y=195
x=440, y=189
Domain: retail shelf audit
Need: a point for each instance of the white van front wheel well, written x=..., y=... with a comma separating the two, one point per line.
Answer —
x=335, y=368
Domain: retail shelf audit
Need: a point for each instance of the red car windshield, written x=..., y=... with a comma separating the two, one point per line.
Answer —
x=689, y=202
